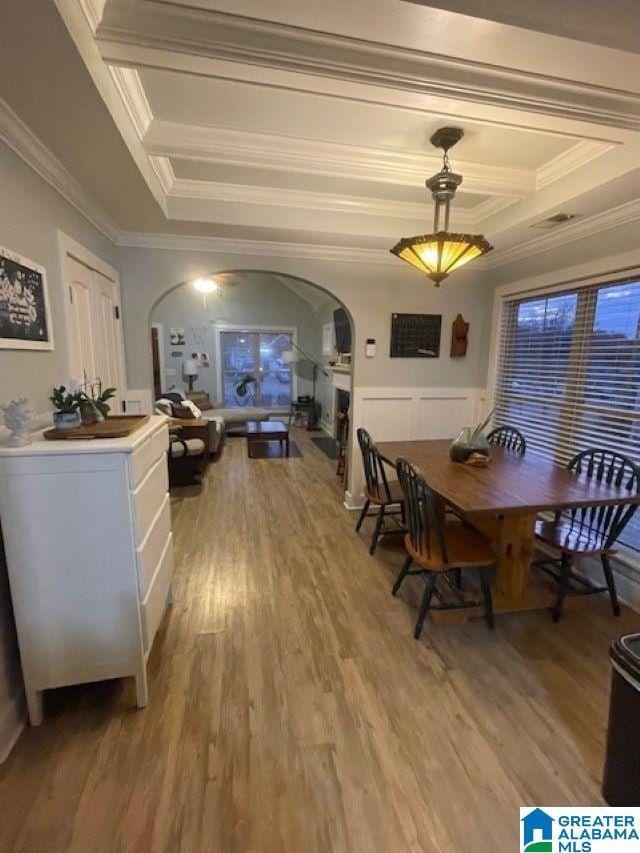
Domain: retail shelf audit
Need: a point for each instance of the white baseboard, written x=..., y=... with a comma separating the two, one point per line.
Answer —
x=12, y=722
x=353, y=502
x=327, y=427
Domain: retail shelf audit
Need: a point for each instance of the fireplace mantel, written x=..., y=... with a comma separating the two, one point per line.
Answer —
x=341, y=380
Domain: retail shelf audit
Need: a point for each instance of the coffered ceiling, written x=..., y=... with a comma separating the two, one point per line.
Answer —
x=313, y=119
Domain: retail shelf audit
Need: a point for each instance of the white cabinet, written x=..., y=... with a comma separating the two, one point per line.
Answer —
x=87, y=533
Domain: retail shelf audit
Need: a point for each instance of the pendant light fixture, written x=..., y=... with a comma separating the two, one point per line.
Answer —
x=439, y=254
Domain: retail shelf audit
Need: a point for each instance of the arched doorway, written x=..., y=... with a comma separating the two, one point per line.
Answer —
x=286, y=335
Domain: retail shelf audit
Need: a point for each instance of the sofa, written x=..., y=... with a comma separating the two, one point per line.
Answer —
x=223, y=420
x=235, y=420
x=175, y=405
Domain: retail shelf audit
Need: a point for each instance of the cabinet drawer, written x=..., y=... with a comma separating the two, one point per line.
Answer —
x=149, y=497
x=152, y=606
x=145, y=457
x=149, y=552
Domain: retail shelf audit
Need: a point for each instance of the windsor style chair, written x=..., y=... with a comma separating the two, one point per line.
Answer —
x=508, y=437
x=440, y=549
x=379, y=490
x=589, y=531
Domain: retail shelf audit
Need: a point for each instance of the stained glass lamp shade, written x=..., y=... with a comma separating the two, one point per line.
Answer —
x=442, y=252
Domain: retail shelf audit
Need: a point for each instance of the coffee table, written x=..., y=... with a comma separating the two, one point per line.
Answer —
x=261, y=431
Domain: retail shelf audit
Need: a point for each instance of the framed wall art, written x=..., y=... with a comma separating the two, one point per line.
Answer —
x=25, y=314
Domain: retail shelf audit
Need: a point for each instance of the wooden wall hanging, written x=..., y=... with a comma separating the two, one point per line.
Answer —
x=459, y=335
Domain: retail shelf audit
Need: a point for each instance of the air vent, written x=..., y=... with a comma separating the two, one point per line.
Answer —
x=554, y=221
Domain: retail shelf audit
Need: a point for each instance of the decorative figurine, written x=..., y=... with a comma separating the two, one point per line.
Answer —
x=18, y=417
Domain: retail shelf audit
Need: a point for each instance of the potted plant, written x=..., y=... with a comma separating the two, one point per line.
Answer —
x=470, y=441
x=243, y=387
x=93, y=403
x=67, y=414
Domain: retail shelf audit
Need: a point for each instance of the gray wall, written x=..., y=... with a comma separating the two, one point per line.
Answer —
x=30, y=214
x=255, y=299
x=371, y=292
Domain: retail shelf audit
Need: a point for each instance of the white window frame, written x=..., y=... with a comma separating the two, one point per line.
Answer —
x=235, y=327
x=583, y=275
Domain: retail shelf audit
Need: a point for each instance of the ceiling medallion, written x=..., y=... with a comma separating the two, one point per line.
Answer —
x=439, y=254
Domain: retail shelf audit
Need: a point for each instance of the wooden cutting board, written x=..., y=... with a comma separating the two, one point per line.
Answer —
x=116, y=426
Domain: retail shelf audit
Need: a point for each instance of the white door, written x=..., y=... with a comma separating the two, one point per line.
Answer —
x=108, y=332
x=94, y=325
x=79, y=282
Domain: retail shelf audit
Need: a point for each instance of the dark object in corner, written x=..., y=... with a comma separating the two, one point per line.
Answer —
x=621, y=781
x=459, y=334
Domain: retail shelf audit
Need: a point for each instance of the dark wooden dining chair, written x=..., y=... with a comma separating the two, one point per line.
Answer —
x=589, y=531
x=439, y=548
x=379, y=490
x=508, y=437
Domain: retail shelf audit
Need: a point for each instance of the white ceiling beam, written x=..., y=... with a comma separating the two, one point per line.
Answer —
x=198, y=38
x=261, y=248
x=516, y=116
x=419, y=26
x=302, y=200
x=329, y=159
x=75, y=18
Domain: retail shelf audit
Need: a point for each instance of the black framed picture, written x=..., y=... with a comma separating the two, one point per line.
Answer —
x=415, y=335
x=25, y=318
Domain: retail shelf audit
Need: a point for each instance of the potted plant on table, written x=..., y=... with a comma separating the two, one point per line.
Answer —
x=67, y=414
x=93, y=403
x=471, y=445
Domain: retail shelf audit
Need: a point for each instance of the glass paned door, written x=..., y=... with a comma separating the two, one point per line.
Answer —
x=254, y=372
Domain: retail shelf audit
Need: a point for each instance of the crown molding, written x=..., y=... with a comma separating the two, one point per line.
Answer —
x=257, y=248
x=93, y=10
x=134, y=33
x=218, y=191
x=330, y=159
x=164, y=170
x=491, y=206
x=578, y=155
x=23, y=142
x=572, y=231
x=131, y=90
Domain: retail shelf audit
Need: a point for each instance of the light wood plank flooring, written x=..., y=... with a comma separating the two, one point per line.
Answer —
x=291, y=709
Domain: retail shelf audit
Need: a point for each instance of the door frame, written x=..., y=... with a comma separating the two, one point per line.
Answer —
x=159, y=327
x=70, y=248
x=237, y=327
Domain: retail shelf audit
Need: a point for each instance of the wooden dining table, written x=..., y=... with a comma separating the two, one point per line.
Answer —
x=503, y=500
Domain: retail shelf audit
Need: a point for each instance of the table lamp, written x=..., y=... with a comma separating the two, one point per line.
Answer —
x=190, y=370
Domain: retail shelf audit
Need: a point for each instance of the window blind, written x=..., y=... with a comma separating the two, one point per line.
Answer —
x=568, y=373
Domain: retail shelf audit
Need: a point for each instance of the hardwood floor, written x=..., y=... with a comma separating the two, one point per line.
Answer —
x=291, y=709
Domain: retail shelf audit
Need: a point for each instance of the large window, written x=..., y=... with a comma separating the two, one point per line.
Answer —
x=254, y=372
x=569, y=373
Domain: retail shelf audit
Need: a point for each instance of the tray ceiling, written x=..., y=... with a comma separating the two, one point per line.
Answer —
x=311, y=122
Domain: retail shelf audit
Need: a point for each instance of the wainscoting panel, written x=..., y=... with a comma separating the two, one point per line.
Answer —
x=436, y=416
x=386, y=418
x=406, y=414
